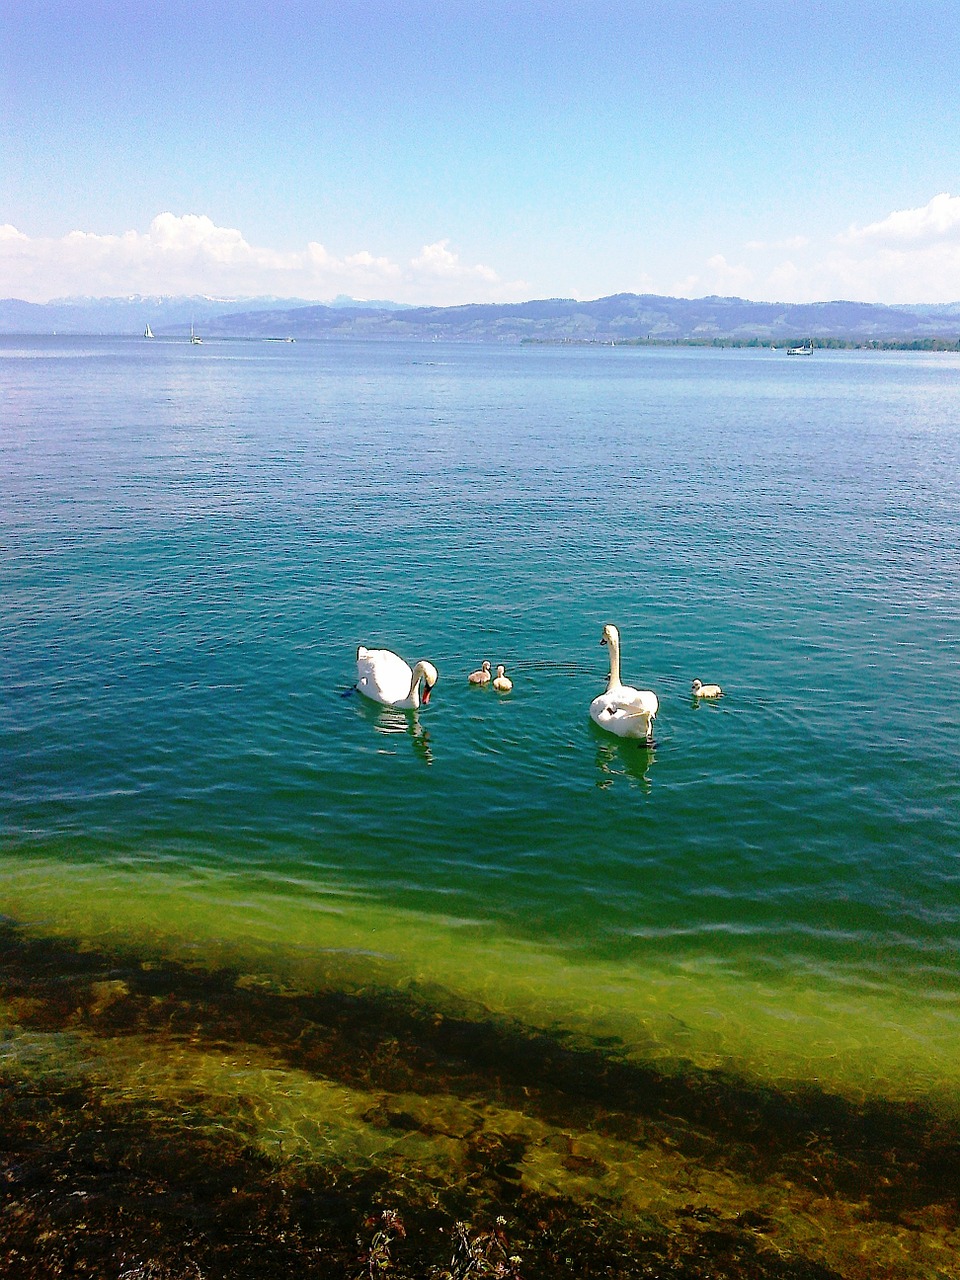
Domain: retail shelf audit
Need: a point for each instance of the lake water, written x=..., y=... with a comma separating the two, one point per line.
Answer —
x=195, y=540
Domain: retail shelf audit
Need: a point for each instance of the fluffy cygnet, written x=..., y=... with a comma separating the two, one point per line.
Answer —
x=701, y=690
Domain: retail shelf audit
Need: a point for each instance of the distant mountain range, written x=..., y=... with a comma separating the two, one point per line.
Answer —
x=132, y=315
x=622, y=317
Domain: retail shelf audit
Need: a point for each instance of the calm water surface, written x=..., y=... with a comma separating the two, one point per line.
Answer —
x=195, y=540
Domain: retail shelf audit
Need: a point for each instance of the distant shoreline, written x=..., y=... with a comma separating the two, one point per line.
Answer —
x=622, y=319
x=774, y=344
x=936, y=345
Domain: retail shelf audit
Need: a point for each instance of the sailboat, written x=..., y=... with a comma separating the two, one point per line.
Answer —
x=148, y=332
x=195, y=337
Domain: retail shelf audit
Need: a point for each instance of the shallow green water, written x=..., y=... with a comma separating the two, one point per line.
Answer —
x=196, y=539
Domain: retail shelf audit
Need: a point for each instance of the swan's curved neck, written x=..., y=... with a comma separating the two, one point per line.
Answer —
x=416, y=676
x=613, y=644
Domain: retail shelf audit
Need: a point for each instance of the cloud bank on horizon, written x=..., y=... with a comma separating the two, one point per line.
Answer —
x=191, y=255
x=909, y=256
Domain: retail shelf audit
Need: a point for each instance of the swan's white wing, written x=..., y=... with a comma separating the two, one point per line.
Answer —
x=627, y=712
x=642, y=700
x=382, y=675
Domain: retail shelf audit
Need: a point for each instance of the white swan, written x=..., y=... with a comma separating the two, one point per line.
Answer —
x=384, y=677
x=701, y=690
x=623, y=710
x=481, y=676
x=502, y=682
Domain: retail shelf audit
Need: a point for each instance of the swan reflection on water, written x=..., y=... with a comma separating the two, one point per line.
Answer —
x=627, y=759
x=391, y=723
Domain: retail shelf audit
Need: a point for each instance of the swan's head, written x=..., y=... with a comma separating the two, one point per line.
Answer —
x=485, y=666
x=430, y=678
x=697, y=686
x=610, y=634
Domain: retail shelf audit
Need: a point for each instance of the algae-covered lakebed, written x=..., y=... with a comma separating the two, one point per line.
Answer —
x=160, y=1119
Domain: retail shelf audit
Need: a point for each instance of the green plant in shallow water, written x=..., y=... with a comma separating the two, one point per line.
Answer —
x=377, y=1260
x=480, y=1254
x=477, y=1255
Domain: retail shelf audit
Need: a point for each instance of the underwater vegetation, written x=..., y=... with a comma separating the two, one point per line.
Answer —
x=163, y=1122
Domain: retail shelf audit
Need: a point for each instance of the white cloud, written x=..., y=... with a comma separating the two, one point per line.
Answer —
x=911, y=255
x=689, y=287
x=934, y=222
x=190, y=254
x=719, y=277
x=727, y=277
x=926, y=274
x=785, y=278
x=436, y=260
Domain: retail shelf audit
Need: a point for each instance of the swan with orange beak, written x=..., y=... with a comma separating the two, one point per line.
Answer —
x=384, y=677
x=623, y=710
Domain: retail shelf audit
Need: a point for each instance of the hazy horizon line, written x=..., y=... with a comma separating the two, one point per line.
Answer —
x=381, y=303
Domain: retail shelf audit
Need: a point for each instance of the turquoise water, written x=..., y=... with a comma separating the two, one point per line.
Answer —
x=195, y=540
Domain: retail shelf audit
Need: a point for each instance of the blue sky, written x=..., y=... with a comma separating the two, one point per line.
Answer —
x=455, y=152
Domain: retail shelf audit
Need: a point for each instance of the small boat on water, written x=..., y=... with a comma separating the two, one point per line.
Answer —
x=195, y=337
x=148, y=332
x=805, y=350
